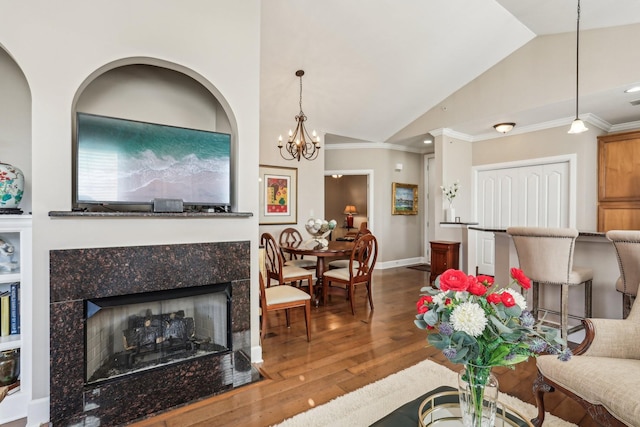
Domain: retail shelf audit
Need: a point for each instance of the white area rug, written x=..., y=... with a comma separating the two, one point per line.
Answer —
x=368, y=404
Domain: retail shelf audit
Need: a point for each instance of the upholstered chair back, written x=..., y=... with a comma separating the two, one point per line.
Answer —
x=627, y=244
x=545, y=254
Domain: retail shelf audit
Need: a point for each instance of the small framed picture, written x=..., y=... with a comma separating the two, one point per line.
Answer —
x=278, y=195
x=404, y=199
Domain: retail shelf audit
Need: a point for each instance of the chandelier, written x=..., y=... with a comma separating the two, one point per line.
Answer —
x=577, y=126
x=300, y=143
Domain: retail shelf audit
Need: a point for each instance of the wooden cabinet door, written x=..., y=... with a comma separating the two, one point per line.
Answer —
x=619, y=181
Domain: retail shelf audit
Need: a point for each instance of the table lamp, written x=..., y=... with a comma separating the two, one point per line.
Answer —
x=350, y=210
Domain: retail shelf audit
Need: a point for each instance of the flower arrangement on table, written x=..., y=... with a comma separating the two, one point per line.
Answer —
x=482, y=325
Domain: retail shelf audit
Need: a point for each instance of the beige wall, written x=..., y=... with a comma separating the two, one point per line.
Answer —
x=399, y=236
x=60, y=47
x=541, y=74
x=343, y=191
x=549, y=143
x=15, y=122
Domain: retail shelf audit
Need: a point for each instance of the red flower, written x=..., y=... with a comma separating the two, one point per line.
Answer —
x=485, y=280
x=421, y=305
x=453, y=280
x=521, y=278
x=477, y=288
x=507, y=299
x=494, y=298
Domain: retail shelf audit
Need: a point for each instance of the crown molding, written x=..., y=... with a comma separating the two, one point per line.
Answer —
x=373, y=145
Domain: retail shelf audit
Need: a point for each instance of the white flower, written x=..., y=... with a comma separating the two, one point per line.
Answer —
x=439, y=299
x=520, y=300
x=469, y=318
x=451, y=192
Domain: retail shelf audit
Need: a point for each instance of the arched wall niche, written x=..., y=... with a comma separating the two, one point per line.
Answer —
x=152, y=90
x=15, y=121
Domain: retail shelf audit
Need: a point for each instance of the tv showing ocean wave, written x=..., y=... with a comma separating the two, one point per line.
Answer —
x=124, y=161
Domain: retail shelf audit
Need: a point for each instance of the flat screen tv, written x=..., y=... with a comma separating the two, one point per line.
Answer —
x=127, y=162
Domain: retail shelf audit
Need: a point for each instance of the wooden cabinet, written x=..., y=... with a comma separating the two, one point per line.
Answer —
x=619, y=181
x=444, y=255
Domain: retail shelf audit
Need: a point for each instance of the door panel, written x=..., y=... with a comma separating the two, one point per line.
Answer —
x=536, y=195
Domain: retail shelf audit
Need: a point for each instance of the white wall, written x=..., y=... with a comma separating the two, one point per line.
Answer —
x=59, y=47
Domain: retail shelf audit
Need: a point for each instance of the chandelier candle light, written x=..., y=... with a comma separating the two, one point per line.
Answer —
x=480, y=324
x=300, y=144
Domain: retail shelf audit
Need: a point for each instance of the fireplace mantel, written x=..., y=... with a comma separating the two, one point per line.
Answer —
x=82, y=214
x=77, y=275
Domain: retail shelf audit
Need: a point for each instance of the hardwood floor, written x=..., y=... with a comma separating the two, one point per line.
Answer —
x=346, y=352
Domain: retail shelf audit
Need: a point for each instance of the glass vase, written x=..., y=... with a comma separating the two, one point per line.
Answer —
x=478, y=394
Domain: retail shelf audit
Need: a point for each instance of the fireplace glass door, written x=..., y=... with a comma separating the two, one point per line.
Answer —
x=132, y=333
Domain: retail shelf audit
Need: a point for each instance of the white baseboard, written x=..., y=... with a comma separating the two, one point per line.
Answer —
x=400, y=263
x=38, y=412
x=256, y=354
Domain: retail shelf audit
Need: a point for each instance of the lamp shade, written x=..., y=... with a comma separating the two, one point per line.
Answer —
x=350, y=210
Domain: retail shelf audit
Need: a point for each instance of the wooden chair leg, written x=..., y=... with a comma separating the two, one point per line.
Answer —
x=286, y=315
x=540, y=387
x=627, y=302
x=370, y=295
x=535, y=300
x=352, y=298
x=307, y=318
x=564, y=311
x=263, y=324
x=588, y=300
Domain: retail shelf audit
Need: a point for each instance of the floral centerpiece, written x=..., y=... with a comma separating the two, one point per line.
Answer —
x=482, y=325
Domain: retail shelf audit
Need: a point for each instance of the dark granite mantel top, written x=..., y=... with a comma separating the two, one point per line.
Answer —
x=74, y=214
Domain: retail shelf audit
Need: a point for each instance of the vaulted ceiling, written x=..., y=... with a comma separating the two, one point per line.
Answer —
x=372, y=67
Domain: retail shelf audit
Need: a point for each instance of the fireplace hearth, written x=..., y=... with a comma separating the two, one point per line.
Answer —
x=140, y=330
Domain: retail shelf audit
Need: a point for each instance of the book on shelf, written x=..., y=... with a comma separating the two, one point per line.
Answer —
x=14, y=308
x=4, y=313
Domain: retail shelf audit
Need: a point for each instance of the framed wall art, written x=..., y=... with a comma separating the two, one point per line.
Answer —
x=278, y=195
x=404, y=199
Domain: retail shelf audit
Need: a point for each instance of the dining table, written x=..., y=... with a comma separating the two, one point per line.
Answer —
x=335, y=249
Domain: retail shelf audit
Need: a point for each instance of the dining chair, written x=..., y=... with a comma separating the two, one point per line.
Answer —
x=343, y=263
x=283, y=297
x=289, y=236
x=276, y=269
x=359, y=271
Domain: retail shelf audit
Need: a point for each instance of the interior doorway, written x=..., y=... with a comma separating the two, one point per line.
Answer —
x=348, y=188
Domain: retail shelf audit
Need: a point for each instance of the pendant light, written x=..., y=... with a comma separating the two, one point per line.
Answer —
x=577, y=126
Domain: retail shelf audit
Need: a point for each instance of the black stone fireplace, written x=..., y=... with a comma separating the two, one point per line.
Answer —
x=139, y=330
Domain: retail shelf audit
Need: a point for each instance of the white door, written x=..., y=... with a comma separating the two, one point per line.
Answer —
x=533, y=195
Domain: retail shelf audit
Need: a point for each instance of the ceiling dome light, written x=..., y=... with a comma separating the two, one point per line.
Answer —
x=504, y=127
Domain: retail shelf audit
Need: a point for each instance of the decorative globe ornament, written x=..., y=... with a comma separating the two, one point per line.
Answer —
x=319, y=229
x=11, y=188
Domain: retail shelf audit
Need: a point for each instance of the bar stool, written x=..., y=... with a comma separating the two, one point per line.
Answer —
x=546, y=257
x=627, y=244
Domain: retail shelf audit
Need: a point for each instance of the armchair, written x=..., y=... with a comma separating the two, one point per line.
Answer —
x=603, y=375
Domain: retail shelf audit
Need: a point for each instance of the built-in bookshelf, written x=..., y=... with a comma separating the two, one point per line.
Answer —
x=15, y=309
